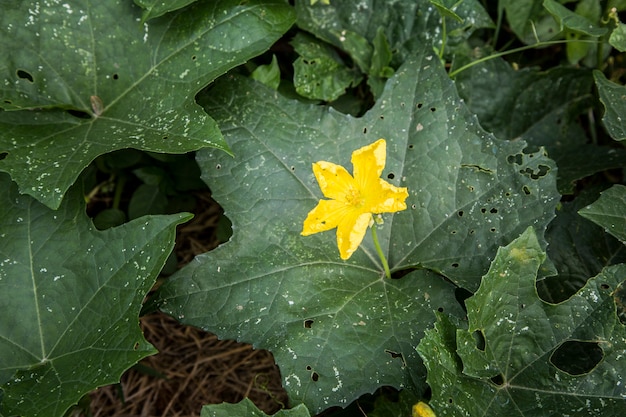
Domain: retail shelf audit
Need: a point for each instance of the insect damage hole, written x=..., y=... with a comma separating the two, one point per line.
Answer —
x=25, y=75
x=308, y=323
x=479, y=338
x=396, y=355
x=391, y=176
x=577, y=357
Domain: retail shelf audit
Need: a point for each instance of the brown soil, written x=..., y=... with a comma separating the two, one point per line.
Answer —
x=193, y=368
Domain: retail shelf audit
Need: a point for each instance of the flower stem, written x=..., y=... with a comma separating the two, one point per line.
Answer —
x=380, y=252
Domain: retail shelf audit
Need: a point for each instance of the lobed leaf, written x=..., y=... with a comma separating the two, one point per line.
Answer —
x=71, y=297
x=339, y=329
x=89, y=78
x=515, y=359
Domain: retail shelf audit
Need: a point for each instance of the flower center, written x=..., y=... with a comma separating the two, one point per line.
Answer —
x=354, y=198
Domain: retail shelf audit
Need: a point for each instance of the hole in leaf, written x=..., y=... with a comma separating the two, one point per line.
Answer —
x=410, y=146
x=165, y=137
x=604, y=286
x=396, y=355
x=440, y=309
x=493, y=210
x=455, y=265
x=472, y=231
x=315, y=376
x=479, y=338
x=193, y=57
x=3, y=155
x=308, y=367
x=382, y=117
x=308, y=323
x=453, y=232
x=541, y=171
x=79, y=114
x=292, y=168
x=413, y=206
x=116, y=76
x=449, y=400
x=391, y=176
x=483, y=210
x=364, y=130
x=419, y=105
x=498, y=379
x=577, y=357
x=433, y=109
x=515, y=159
x=218, y=166
x=461, y=294
x=8, y=102
x=25, y=75
x=526, y=190
x=460, y=213
x=493, y=229
x=136, y=346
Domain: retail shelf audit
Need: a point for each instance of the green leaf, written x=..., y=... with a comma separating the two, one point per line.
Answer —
x=613, y=98
x=319, y=72
x=529, y=20
x=609, y=211
x=246, y=408
x=445, y=10
x=381, y=59
x=534, y=358
x=407, y=26
x=147, y=199
x=572, y=21
x=618, y=37
x=71, y=297
x=519, y=108
x=268, y=74
x=339, y=329
x=90, y=79
x=578, y=248
x=156, y=8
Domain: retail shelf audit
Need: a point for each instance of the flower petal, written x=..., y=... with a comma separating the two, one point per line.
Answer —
x=368, y=163
x=334, y=180
x=387, y=199
x=325, y=216
x=351, y=231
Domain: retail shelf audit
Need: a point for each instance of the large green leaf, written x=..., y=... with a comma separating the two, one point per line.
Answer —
x=524, y=357
x=70, y=297
x=89, y=79
x=246, y=408
x=609, y=211
x=339, y=329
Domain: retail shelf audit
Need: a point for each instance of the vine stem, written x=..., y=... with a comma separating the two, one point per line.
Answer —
x=380, y=251
x=511, y=51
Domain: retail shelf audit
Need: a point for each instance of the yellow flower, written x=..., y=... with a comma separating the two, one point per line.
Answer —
x=353, y=200
x=421, y=409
